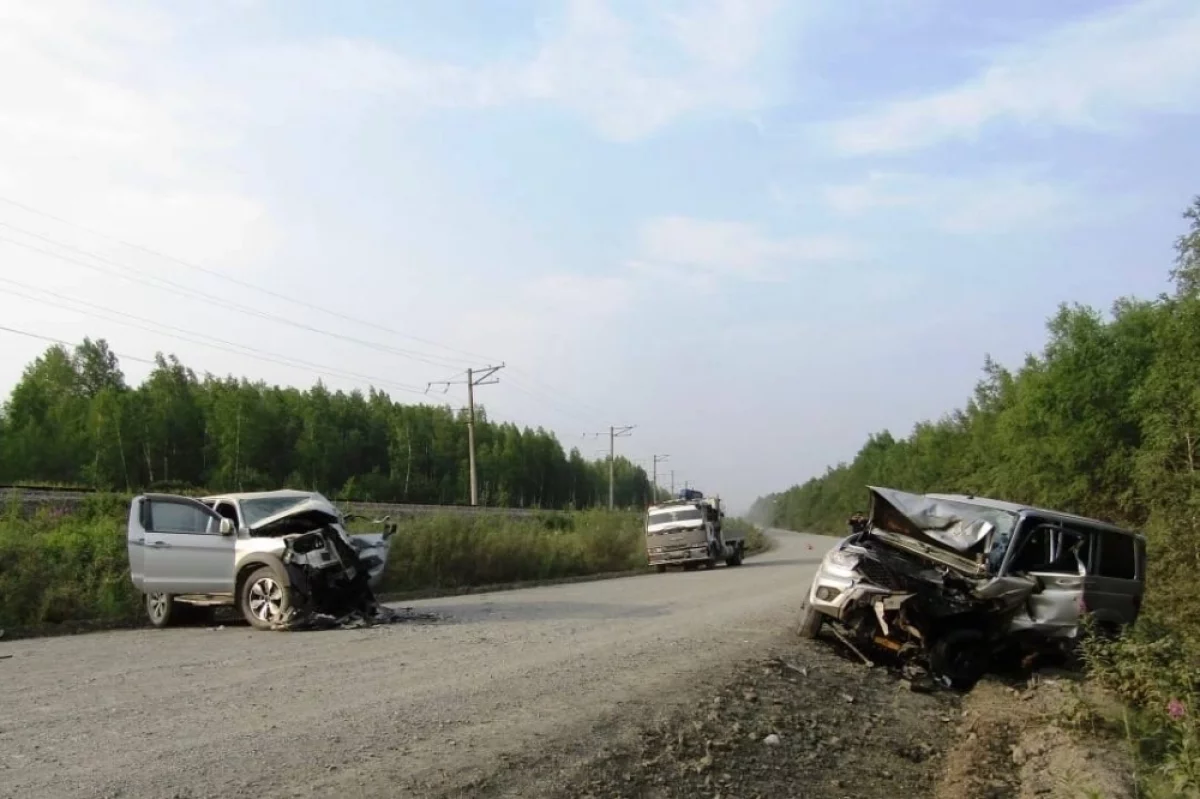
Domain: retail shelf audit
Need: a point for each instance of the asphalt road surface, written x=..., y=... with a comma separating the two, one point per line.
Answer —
x=401, y=710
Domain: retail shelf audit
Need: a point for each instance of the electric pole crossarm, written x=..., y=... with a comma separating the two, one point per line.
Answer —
x=614, y=433
x=475, y=378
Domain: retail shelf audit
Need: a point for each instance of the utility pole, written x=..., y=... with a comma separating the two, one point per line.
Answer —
x=613, y=434
x=481, y=377
x=672, y=482
x=654, y=480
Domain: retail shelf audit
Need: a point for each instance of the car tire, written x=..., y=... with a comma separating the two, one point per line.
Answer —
x=264, y=599
x=735, y=559
x=811, y=622
x=960, y=657
x=660, y=568
x=160, y=609
x=710, y=564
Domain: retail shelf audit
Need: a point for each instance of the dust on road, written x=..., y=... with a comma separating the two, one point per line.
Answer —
x=401, y=710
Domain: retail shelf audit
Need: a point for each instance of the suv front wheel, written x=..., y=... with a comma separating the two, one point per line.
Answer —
x=264, y=599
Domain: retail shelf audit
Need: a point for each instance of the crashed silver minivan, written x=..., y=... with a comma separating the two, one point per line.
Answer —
x=950, y=580
x=278, y=556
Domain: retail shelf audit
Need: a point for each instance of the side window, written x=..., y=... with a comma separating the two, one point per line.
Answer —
x=1070, y=551
x=1035, y=552
x=178, y=517
x=1117, y=558
x=226, y=511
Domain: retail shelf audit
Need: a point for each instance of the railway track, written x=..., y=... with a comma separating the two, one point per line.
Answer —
x=66, y=497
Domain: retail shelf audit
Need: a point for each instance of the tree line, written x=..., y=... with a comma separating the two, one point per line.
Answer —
x=72, y=419
x=1104, y=422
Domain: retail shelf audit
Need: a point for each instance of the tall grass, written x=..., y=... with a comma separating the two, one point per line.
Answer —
x=56, y=567
x=60, y=567
x=1157, y=680
x=453, y=551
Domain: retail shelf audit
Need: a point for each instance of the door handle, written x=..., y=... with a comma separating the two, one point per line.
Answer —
x=161, y=544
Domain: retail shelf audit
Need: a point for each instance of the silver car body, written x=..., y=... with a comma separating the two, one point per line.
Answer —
x=1041, y=569
x=197, y=550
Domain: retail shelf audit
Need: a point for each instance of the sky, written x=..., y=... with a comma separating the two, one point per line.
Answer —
x=757, y=230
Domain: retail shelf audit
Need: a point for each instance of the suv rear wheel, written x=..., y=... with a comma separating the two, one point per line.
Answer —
x=264, y=599
x=160, y=609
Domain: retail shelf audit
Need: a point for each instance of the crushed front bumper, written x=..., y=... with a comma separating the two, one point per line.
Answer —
x=837, y=590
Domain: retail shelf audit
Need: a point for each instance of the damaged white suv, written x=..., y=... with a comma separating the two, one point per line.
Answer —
x=949, y=581
x=276, y=555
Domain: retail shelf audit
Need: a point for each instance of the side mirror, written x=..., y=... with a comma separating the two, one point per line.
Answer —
x=1038, y=585
x=226, y=527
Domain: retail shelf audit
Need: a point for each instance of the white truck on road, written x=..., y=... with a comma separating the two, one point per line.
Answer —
x=688, y=532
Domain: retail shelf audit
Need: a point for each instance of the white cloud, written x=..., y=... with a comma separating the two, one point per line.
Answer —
x=94, y=130
x=697, y=249
x=1091, y=74
x=627, y=79
x=985, y=203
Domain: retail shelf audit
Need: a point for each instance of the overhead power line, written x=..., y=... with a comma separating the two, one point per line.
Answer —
x=183, y=334
x=53, y=340
x=245, y=284
x=171, y=286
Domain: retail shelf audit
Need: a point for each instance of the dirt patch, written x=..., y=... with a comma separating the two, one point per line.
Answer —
x=1012, y=743
x=804, y=721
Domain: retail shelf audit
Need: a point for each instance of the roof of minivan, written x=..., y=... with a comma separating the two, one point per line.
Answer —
x=1013, y=507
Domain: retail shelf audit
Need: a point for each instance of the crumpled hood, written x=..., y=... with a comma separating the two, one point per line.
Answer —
x=316, y=512
x=960, y=527
x=306, y=515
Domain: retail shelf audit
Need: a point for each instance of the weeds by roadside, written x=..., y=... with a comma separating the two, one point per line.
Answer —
x=58, y=567
x=756, y=540
x=1156, y=680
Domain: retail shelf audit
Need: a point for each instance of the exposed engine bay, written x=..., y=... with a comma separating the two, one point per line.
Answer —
x=330, y=571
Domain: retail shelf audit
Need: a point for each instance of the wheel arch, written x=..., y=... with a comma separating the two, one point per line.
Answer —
x=253, y=563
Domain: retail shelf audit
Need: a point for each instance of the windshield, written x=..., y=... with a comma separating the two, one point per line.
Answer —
x=255, y=510
x=675, y=515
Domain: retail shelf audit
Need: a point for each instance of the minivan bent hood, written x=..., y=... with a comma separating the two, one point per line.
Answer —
x=960, y=527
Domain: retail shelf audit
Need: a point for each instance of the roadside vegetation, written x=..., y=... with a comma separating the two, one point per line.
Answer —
x=756, y=540
x=72, y=420
x=1105, y=422
x=60, y=567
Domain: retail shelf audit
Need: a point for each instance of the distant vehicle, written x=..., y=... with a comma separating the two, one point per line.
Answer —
x=272, y=554
x=955, y=579
x=688, y=532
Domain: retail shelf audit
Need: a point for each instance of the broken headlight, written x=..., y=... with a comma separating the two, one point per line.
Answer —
x=842, y=559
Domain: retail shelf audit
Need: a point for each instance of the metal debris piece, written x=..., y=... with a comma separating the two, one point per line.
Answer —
x=852, y=647
x=294, y=621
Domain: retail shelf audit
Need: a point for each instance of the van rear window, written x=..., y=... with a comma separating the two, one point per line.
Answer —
x=1118, y=556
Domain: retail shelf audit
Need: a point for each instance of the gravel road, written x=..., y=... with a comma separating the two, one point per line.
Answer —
x=403, y=710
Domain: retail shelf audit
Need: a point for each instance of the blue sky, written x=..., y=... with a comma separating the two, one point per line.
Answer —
x=758, y=230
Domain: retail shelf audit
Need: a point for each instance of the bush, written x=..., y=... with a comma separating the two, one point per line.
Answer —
x=57, y=567
x=456, y=551
x=1155, y=675
x=756, y=540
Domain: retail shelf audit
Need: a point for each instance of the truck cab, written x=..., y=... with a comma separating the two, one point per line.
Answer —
x=688, y=532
